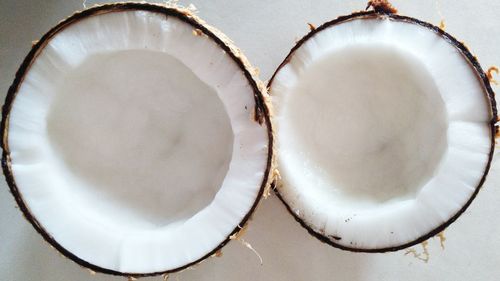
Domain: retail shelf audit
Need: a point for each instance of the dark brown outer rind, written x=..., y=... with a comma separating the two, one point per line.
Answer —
x=183, y=15
x=482, y=77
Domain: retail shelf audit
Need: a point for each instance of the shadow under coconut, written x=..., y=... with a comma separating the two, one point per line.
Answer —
x=141, y=135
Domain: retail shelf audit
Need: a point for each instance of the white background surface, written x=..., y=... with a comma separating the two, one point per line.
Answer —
x=266, y=30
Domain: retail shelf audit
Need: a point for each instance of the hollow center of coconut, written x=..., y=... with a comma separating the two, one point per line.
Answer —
x=123, y=121
x=369, y=125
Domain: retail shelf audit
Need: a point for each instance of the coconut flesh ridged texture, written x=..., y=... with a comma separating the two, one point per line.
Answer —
x=385, y=129
x=136, y=139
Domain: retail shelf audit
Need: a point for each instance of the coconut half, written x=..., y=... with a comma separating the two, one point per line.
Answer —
x=136, y=139
x=385, y=130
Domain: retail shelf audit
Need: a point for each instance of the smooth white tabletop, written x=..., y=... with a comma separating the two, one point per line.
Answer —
x=265, y=31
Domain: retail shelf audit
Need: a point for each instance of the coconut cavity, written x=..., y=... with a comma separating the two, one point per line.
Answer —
x=369, y=123
x=152, y=125
x=132, y=141
x=383, y=132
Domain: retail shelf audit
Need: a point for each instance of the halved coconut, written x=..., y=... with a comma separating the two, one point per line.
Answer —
x=385, y=130
x=136, y=139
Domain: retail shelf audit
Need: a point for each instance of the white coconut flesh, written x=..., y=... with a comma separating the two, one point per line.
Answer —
x=383, y=132
x=133, y=142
